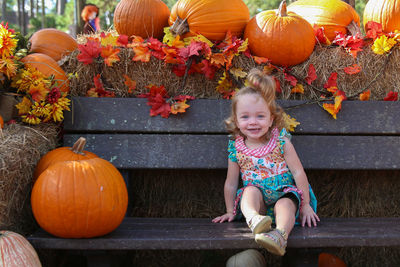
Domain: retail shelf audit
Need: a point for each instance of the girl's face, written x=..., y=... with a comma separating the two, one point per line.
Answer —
x=92, y=15
x=253, y=117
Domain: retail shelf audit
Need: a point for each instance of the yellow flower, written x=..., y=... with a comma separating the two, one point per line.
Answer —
x=63, y=103
x=41, y=109
x=57, y=113
x=383, y=45
x=24, y=106
x=8, y=67
x=38, y=91
x=7, y=43
x=31, y=119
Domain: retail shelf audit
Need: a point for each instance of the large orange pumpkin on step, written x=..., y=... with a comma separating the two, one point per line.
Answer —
x=143, y=18
x=330, y=260
x=52, y=42
x=385, y=12
x=48, y=66
x=16, y=251
x=79, y=199
x=333, y=15
x=76, y=152
x=211, y=18
x=284, y=38
x=1, y=122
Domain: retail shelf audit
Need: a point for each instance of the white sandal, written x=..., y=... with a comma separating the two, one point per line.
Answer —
x=260, y=224
x=274, y=241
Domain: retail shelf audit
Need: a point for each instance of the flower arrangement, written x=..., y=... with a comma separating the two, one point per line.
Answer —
x=40, y=99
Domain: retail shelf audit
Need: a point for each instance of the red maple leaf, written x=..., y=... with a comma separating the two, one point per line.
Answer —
x=320, y=35
x=208, y=69
x=191, y=50
x=373, y=29
x=159, y=106
x=391, y=96
x=291, y=79
x=154, y=44
x=123, y=40
x=88, y=52
x=351, y=43
x=183, y=97
x=311, y=76
x=331, y=82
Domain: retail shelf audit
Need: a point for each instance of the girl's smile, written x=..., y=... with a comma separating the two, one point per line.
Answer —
x=253, y=118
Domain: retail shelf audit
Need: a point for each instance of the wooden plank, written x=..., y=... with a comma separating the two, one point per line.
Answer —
x=129, y=151
x=185, y=234
x=207, y=116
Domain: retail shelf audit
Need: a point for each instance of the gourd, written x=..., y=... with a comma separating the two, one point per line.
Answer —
x=52, y=42
x=211, y=18
x=249, y=257
x=1, y=122
x=330, y=260
x=332, y=15
x=283, y=37
x=385, y=12
x=47, y=66
x=79, y=199
x=16, y=251
x=145, y=18
x=76, y=152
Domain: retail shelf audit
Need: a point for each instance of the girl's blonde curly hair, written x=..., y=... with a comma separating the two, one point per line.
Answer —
x=262, y=85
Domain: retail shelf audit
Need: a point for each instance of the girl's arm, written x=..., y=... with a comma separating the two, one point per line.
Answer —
x=307, y=214
x=230, y=188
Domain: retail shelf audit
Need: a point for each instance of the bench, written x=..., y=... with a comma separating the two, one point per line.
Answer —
x=119, y=130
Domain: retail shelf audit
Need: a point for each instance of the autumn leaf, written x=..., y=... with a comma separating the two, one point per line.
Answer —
x=383, y=44
x=217, y=59
x=225, y=86
x=88, y=52
x=159, y=106
x=299, y=89
x=238, y=72
x=191, y=50
x=277, y=85
x=289, y=122
x=364, y=96
x=98, y=90
x=331, y=82
x=351, y=43
x=354, y=69
x=311, y=74
x=208, y=69
x=130, y=83
x=320, y=35
x=198, y=37
x=179, y=107
x=110, y=55
x=181, y=98
x=243, y=47
x=291, y=79
x=171, y=56
x=373, y=29
x=391, y=96
x=168, y=36
x=141, y=54
x=123, y=40
x=260, y=60
x=108, y=39
x=334, y=109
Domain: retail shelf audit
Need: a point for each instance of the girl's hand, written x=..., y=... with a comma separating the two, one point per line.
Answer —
x=226, y=217
x=308, y=216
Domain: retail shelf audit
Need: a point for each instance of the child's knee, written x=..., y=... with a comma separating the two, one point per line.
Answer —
x=285, y=203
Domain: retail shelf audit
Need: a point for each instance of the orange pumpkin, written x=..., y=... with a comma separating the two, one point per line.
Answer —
x=16, y=251
x=1, y=122
x=143, y=18
x=47, y=66
x=76, y=152
x=52, y=42
x=330, y=260
x=79, y=199
x=333, y=15
x=211, y=18
x=385, y=12
x=284, y=38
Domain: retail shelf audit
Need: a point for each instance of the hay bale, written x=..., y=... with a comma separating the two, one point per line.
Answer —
x=379, y=74
x=20, y=149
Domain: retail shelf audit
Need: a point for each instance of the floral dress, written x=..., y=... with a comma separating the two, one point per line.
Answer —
x=265, y=168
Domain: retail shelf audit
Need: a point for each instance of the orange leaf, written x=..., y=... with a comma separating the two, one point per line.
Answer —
x=130, y=83
x=171, y=56
x=179, y=107
x=260, y=60
x=110, y=55
x=298, y=89
x=354, y=69
x=141, y=54
x=218, y=59
x=365, y=95
x=334, y=109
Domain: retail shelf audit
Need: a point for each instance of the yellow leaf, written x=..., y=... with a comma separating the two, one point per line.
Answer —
x=289, y=122
x=238, y=72
x=243, y=47
x=179, y=107
x=383, y=45
x=365, y=95
x=109, y=39
x=198, y=37
x=298, y=89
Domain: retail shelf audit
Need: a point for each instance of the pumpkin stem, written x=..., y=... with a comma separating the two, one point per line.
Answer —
x=282, y=9
x=79, y=146
x=179, y=27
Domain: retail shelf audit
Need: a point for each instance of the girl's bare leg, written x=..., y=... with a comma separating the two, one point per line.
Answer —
x=285, y=212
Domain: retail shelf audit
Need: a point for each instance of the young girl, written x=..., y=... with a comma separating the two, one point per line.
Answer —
x=275, y=184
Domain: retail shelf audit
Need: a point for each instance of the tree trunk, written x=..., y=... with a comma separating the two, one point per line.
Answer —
x=43, y=15
x=19, y=17
x=79, y=4
x=3, y=10
x=23, y=22
x=32, y=9
x=61, y=7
